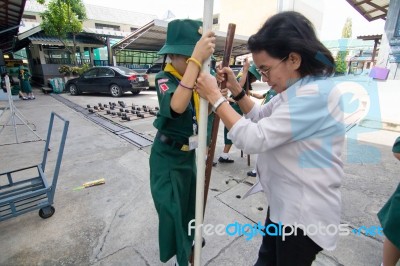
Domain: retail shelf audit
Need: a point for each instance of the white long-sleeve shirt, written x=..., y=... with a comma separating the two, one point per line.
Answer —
x=299, y=137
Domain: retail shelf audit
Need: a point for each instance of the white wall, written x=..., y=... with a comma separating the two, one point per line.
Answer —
x=248, y=16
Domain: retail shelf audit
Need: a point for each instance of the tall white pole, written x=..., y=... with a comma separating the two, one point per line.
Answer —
x=201, y=151
x=11, y=103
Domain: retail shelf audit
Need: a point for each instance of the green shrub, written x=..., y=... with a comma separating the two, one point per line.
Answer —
x=66, y=70
x=84, y=68
x=341, y=65
x=74, y=70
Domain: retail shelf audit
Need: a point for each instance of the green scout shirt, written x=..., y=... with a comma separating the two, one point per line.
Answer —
x=176, y=126
x=268, y=96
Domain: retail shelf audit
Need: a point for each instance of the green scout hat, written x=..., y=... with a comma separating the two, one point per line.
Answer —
x=182, y=36
x=253, y=70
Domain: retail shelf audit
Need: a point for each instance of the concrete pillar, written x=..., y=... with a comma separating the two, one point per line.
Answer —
x=91, y=56
x=285, y=5
x=109, y=52
x=41, y=54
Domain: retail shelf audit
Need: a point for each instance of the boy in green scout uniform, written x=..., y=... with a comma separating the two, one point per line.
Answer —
x=266, y=98
x=24, y=78
x=172, y=160
x=251, y=74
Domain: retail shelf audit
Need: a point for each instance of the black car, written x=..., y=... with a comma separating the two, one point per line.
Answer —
x=115, y=80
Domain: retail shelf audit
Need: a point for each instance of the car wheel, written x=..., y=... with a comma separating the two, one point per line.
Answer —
x=115, y=90
x=135, y=92
x=73, y=89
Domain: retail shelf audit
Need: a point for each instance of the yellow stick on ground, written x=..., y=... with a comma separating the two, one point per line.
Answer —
x=94, y=183
x=91, y=183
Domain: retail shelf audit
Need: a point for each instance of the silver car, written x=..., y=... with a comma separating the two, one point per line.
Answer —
x=151, y=74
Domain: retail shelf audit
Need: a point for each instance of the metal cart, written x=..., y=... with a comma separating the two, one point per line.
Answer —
x=21, y=195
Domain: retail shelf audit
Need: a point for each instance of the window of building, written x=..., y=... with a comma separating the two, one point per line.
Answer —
x=55, y=55
x=106, y=27
x=215, y=21
x=133, y=29
x=130, y=58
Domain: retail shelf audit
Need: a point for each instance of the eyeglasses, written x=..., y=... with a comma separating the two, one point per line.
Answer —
x=266, y=72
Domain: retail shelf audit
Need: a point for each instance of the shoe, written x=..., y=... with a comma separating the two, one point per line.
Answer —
x=223, y=160
x=203, y=243
x=251, y=173
x=33, y=97
x=24, y=98
x=215, y=164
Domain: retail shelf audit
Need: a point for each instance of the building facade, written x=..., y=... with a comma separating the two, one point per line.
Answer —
x=389, y=54
x=103, y=27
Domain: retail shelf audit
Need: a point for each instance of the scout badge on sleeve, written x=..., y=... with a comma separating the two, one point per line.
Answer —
x=163, y=87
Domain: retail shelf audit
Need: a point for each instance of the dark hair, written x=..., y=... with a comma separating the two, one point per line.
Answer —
x=288, y=32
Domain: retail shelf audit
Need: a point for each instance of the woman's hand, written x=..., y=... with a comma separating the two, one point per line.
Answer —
x=246, y=65
x=224, y=92
x=205, y=47
x=207, y=87
x=226, y=74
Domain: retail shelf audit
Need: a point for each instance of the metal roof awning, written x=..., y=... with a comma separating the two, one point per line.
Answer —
x=371, y=9
x=151, y=37
x=81, y=40
x=10, y=18
x=37, y=36
x=370, y=37
x=348, y=44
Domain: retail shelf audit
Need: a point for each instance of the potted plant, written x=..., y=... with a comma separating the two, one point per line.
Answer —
x=66, y=71
x=75, y=70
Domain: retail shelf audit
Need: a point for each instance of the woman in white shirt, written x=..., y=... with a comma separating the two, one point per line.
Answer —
x=298, y=135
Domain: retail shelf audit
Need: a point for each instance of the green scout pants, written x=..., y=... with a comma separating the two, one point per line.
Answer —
x=236, y=107
x=173, y=187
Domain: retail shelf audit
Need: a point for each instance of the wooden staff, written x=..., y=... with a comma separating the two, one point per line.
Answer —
x=214, y=132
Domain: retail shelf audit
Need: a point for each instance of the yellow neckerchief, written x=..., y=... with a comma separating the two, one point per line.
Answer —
x=196, y=98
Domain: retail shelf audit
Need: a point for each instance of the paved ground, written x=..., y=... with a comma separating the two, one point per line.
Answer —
x=116, y=223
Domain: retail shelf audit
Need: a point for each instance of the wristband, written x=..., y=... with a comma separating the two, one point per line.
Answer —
x=194, y=60
x=218, y=103
x=184, y=86
x=239, y=96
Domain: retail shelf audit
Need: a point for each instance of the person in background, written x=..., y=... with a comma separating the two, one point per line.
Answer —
x=389, y=217
x=172, y=159
x=248, y=74
x=266, y=97
x=298, y=136
x=211, y=116
x=15, y=89
x=24, y=78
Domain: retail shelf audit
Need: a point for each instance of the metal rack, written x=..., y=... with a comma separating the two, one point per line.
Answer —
x=22, y=195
